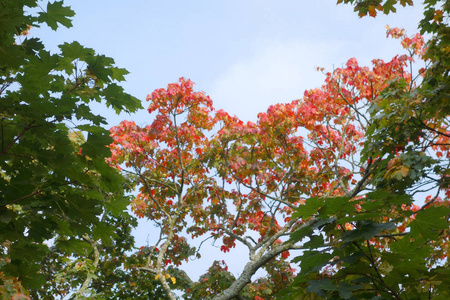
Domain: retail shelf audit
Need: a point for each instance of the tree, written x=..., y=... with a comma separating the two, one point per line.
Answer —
x=382, y=244
x=435, y=85
x=205, y=173
x=55, y=186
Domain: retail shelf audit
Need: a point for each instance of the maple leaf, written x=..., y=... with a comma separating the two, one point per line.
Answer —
x=372, y=11
x=57, y=13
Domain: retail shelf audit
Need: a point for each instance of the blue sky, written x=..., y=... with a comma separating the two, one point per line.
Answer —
x=245, y=54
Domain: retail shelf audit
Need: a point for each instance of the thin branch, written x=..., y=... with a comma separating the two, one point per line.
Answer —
x=254, y=265
x=367, y=173
x=89, y=276
x=239, y=238
x=354, y=108
x=25, y=129
x=77, y=84
x=372, y=261
x=151, y=196
x=201, y=244
x=432, y=129
x=150, y=270
x=430, y=202
x=262, y=193
x=393, y=235
x=24, y=197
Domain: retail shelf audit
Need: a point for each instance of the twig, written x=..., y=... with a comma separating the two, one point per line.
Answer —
x=87, y=281
x=25, y=129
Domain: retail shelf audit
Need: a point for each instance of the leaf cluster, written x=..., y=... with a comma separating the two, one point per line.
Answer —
x=203, y=172
x=357, y=250
x=54, y=181
x=382, y=245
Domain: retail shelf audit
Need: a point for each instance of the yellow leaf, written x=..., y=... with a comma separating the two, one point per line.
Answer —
x=404, y=170
x=173, y=280
x=385, y=268
x=156, y=277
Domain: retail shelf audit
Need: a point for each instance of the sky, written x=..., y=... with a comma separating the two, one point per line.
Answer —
x=245, y=54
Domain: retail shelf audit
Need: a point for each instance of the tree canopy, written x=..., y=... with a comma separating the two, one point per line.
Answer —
x=312, y=169
x=392, y=246
x=337, y=171
x=57, y=193
x=342, y=194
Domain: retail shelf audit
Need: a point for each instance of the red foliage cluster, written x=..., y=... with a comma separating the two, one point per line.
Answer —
x=204, y=171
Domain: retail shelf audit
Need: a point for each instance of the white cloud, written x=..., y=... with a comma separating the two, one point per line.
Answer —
x=277, y=72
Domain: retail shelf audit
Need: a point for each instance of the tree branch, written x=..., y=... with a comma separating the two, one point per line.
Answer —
x=87, y=281
x=25, y=129
x=257, y=262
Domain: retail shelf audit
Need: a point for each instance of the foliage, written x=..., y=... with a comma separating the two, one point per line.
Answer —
x=371, y=7
x=110, y=267
x=435, y=85
x=380, y=244
x=255, y=177
x=331, y=176
x=55, y=186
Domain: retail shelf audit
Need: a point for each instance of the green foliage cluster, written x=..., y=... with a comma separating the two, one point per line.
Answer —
x=383, y=256
x=55, y=186
x=374, y=260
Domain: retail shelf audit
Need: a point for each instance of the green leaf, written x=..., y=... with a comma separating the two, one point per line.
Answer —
x=429, y=221
x=360, y=217
x=301, y=233
x=315, y=242
x=104, y=232
x=119, y=74
x=28, y=274
x=388, y=6
x=99, y=67
x=366, y=230
x=73, y=246
x=12, y=56
x=91, y=129
x=57, y=13
x=27, y=252
x=32, y=45
x=49, y=191
x=96, y=144
x=321, y=223
x=320, y=287
x=5, y=218
x=118, y=205
x=76, y=51
x=410, y=248
x=310, y=208
x=345, y=290
x=336, y=205
x=440, y=297
x=119, y=100
x=313, y=260
x=413, y=266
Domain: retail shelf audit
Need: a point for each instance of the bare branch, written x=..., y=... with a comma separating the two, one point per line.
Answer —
x=84, y=287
